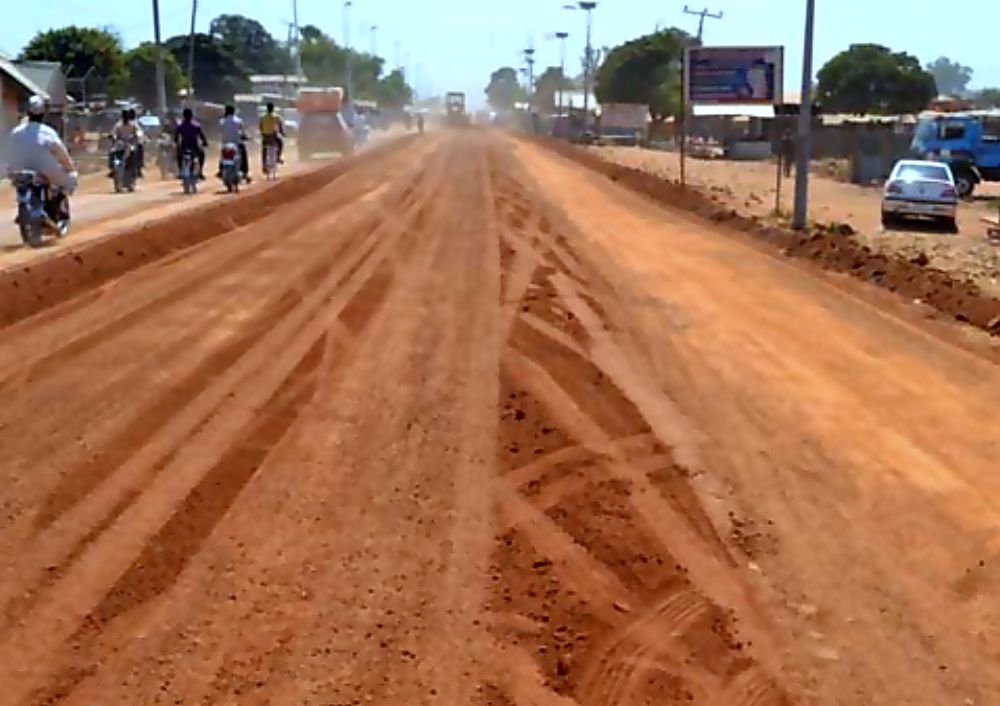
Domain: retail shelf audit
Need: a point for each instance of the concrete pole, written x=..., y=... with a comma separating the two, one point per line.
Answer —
x=803, y=155
x=347, y=46
x=161, y=79
x=588, y=7
x=194, y=19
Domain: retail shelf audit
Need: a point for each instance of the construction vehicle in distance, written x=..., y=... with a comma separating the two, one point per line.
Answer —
x=323, y=130
x=454, y=107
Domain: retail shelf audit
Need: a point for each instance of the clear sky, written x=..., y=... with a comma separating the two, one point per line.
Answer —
x=455, y=44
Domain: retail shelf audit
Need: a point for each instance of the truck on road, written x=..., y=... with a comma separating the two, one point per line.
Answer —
x=322, y=129
x=968, y=142
x=454, y=107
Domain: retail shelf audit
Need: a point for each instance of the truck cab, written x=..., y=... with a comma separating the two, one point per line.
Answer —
x=454, y=105
x=968, y=142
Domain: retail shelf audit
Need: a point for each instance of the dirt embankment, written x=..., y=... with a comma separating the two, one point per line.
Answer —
x=28, y=289
x=832, y=248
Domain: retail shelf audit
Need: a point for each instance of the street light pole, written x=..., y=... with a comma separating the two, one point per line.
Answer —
x=194, y=20
x=562, y=37
x=161, y=74
x=588, y=7
x=805, y=125
x=371, y=37
x=347, y=48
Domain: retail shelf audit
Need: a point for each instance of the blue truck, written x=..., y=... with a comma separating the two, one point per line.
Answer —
x=968, y=142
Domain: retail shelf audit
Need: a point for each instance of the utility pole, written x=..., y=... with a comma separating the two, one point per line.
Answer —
x=347, y=46
x=803, y=153
x=194, y=19
x=562, y=37
x=298, y=39
x=529, y=60
x=161, y=76
x=587, y=6
x=702, y=14
x=371, y=40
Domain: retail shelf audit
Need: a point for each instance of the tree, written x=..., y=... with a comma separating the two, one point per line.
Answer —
x=141, y=83
x=952, y=78
x=249, y=43
x=218, y=75
x=504, y=89
x=547, y=88
x=646, y=71
x=78, y=49
x=325, y=63
x=988, y=98
x=393, y=92
x=869, y=78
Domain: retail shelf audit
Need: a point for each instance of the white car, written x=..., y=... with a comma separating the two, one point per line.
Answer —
x=918, y=189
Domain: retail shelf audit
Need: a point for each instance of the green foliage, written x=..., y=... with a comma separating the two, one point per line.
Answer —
x=868, y=78
x=325, y=63
x=218, y=75
x=504, y=90
x=645, y=70
x=393, y=92
x=547, y=88
x=251, y=44
x=80, y=48
x=141, y=83
x=988, y=98
x=951, y=77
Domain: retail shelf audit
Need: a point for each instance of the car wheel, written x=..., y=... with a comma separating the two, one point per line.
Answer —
x=889, y=220
x=950, y=224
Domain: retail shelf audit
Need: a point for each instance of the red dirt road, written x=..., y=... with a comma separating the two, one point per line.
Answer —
x=473, y=425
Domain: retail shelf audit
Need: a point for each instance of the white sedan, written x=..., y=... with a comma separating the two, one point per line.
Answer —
x=919, y=189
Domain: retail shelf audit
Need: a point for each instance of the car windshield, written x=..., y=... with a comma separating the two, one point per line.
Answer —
x=925, y=134
x=922, y=172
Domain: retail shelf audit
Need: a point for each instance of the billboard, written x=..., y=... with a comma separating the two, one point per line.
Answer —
x=733, y=75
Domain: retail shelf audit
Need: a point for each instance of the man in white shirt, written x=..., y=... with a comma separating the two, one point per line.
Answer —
x=231, y=130
x=35, y=146
x=129, y=132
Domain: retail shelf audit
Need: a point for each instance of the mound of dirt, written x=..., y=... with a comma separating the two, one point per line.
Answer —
x=832, y=246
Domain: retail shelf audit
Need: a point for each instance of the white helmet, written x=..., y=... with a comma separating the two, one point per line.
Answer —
x=36, y=105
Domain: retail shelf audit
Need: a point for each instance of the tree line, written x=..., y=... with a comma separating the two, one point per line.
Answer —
x=863, y=79
x=234, y=48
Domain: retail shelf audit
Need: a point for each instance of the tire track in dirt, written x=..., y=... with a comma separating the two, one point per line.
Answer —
x=617, y=618
x=352, y=288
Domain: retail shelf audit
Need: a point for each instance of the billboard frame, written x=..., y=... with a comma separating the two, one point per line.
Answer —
x=779, y=75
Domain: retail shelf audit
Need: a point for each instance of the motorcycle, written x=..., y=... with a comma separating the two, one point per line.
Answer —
x=189, y=172
x=166, y=158
x=123, y=170
x=270, y=160
x=229, y=167
x=34, y=198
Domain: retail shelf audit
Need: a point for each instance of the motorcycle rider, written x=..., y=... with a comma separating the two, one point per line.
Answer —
x=272, y=129
x=140, y=145
x=128, y=132
x=231, y=130
x=34, y=146
x=189, y=137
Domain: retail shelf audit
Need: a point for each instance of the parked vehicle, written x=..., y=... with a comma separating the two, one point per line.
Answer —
x=34, y=201
x=920, y=189
x=189, y=172
x=123, y=166
x=229, y=166
x=969, y=143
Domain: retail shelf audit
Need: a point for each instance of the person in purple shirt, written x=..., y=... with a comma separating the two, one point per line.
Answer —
x=189, y=137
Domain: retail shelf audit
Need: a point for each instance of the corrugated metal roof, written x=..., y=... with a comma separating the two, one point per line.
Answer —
x=11, y=69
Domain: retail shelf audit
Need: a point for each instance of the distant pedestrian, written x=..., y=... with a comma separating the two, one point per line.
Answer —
x=788, y=152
